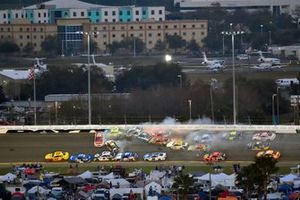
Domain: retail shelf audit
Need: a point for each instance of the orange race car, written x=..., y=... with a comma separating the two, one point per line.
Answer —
x=215, y=156
x=269, y=153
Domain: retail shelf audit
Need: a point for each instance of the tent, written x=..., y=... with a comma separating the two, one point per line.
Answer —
x=285, y=188
x=288, y=178
x=38, y=189
x=86, y=174
x=8, y=177
x=120, y=182
x=219, y=179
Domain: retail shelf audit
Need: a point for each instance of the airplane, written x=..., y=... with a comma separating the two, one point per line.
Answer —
x=262, y=59
x=38, y=64
x=266, y=66
x=108, y=69
x=214, y=65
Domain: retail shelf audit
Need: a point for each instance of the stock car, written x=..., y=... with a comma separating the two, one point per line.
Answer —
x=203, y=138
x=198, y=147
x=112, y=146
x=233, y=135
x=57, y=156
x=99, y=139
x=259, y=145
x=81, y=158
x=134, y=131
x=264, y=136
x=269, y=153
x=144, y=136
x=115, y=133
x=156, y=156
x=104, y=156
x=177, y=144
x=159, y=139
x=215, y=156
x=126, y=156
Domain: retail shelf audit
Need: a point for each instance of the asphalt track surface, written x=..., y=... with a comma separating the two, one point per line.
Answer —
x=32, y=147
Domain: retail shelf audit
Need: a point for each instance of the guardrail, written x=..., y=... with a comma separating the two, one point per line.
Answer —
x=285, y=129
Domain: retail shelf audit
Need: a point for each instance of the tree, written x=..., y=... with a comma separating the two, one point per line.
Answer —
x=175, y=41
x=257, y=175
x=8, y=46
x=160, y=45
x=28, y=49
x=2, y=95
x=183, y=184
x=128, y=45
x=193, y=46
x=50, y=45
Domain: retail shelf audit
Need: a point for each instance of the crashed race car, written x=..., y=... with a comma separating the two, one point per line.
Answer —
x=112, y=146
x=214, y=157
x=264, y=136
x=159, y=139
x=233, y=135
x=199, y=147
x=177, y=144
x=156, y=156
x=99, y=139
x=259, y=145
x=269, y=153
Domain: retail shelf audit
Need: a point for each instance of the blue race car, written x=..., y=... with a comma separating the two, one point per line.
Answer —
x=155, y=156
x=126, y=156
x=81, y=158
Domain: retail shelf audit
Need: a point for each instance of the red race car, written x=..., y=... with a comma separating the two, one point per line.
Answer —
x=215, y=156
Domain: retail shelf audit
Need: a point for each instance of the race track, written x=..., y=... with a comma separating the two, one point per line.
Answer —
x=31, y=147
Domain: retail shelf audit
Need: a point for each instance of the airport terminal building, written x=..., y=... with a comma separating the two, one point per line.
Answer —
x=275, y=6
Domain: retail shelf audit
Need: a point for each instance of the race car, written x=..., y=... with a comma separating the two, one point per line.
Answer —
x=104, y=156
x=177, y=144
x=233, y=135
x=81, y=158
x=259, y=145
x=156, y=156
x=115, y=133
x=199, y=147
x=159, y=139
x=99, y=139
x=203, y=138
x=144, y=136
x=57, y=156
x=264, y=136
x=269, y=153
x=126, y=156
x=215, y=156
x=112, y=146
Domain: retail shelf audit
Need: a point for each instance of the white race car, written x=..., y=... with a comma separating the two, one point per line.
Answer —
x=156, y=156
x=104, y=156
x=264, y=136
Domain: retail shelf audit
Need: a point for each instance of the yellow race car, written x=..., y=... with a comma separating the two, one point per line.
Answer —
x=57, y=156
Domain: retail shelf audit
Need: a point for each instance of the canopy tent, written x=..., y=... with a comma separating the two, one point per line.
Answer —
x=288, y=178
x=219, y=179
x=8, y=177
x=86, y=174
x=38, y=189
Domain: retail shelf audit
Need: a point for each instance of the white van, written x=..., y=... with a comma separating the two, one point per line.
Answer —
x=285, y=82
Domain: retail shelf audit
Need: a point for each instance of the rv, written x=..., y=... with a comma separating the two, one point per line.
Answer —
x=285, y=82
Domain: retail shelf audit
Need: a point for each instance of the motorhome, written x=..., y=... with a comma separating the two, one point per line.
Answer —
x=285, y=82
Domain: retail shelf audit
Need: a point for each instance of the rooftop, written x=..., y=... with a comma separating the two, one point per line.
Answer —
x=66, y=4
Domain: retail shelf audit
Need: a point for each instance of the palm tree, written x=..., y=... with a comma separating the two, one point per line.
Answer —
x=183, y=183
x=257, y=175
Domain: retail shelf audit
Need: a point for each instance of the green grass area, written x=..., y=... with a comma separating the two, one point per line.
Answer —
x=64, y=168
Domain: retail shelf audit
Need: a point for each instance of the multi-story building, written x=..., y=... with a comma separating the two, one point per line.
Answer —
x=67, y=31
x=276, y=7
x=24, y=33
x=51, y=11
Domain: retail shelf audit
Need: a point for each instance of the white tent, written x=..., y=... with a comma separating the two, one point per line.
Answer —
x=288, y=178
x=221, y=178
x=120, y=182
x=86, y=174
x=38, y=189
x=154, y=186
x=8, y=177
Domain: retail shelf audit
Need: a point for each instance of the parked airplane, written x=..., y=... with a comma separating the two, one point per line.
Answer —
x=38, y=64
x=214, y=65
x=93, y=63
x=266, y=66
x=268, y=60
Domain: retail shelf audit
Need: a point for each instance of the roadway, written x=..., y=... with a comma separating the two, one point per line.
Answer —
x=31, y=147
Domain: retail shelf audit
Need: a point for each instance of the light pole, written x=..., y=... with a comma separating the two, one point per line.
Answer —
x=211, y=101
x=277, y=104
x=223, y=44
x=233, y=33
x=273, y=109
x=190, y=109
x=261, y=29
x=88, y=34
x=180, y=79
x=270, y=38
